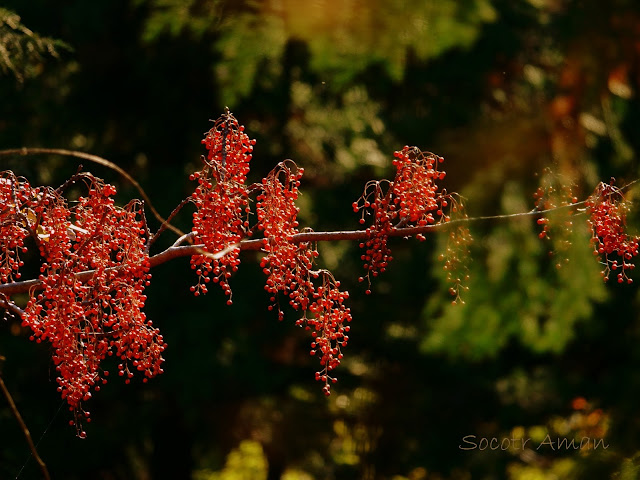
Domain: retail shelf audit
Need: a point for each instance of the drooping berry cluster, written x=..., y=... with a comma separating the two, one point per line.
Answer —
x=328, y=326
x=17, y=199
x=456, y=257
x=289, y=268
x=94, y=272
x=554, y=193
x=286, y=263
x=377, y=254
x=412, y=199
x=222, y=204
x=607, y=209
x=414, y=190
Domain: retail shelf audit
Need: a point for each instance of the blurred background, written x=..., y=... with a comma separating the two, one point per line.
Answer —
x=505, y=90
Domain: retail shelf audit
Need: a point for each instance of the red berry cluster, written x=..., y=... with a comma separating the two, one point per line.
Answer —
x=17, y=199
x=607, y=209
x=289, y=267
x=415, y=192
x=327, y=326
x=412, y=199
x=377, y=201
x=286, y=264
x=89, y=316
x=222, y=204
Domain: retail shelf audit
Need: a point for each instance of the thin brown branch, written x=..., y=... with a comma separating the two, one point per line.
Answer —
x=12, y=288
x=25, y=430
x=166, y=224
x=74, y=178
x=178, y=250
x=99, y=161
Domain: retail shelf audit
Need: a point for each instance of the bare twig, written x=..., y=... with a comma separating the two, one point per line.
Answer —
x=99, y=161
x=25, y=430
x=166, y=224
x=74, y=178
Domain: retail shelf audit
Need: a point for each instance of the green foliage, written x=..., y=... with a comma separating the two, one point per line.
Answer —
x=173, y=17
x=23, y=52
x=522, y=291
x=561, y=468
x=629, y=470
x=347, y=128
x=246, y=461
x=343, y=38
x=251, y=48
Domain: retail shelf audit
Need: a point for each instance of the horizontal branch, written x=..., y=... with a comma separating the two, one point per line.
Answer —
x=10, y=306
x=177, y=250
